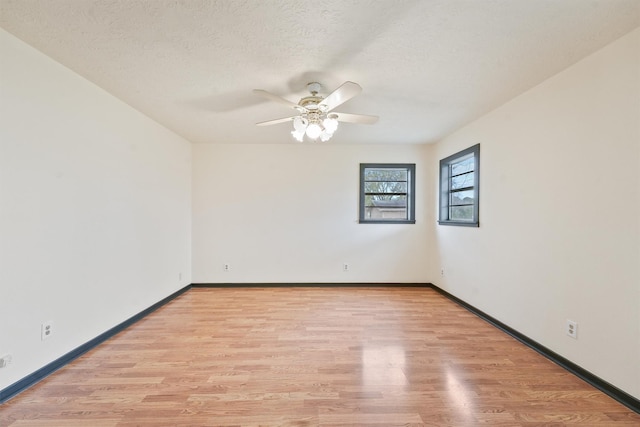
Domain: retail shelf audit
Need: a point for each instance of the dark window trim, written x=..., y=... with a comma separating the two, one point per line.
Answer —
x=411, y=191
x=445, y=188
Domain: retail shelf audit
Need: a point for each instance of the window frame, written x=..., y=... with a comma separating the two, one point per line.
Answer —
x=446, y=190
x=411, y=193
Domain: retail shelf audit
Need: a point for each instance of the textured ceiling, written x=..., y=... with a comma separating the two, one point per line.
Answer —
x=427, y=67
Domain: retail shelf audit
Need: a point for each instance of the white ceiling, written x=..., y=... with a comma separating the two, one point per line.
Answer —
x=427, y=67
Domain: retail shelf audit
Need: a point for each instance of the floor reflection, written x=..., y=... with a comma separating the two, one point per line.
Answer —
x=461, y=396
x=383, y=365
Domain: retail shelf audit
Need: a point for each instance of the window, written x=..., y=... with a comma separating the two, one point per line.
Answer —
x=387, y=193
x=459, y=186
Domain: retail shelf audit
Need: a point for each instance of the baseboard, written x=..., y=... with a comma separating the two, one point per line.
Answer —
x=31, y=379
x=604, y=386
x=310, y=285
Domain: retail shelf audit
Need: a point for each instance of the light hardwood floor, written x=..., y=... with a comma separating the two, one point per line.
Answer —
x=313, y=357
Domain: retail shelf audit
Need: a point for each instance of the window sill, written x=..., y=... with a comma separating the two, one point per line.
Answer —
x=386, y=222
x=460, y=223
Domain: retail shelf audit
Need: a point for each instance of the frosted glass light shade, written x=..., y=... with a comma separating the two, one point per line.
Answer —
x=330, y=125
x=298, y=135
x=314, y=131
x=300, y=124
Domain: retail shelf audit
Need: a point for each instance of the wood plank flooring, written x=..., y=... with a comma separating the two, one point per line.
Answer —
x=313, y=357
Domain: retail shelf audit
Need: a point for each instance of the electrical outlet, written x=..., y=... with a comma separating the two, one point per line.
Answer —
x=226, y=267
x=572, y=329
x=46, y=330
x=180, y=276
x=5, y=360
x=442, y=272
x=345, y=267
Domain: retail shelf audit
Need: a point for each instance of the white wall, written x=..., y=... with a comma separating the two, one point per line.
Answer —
x=288, y=213
x=94, y=210
x=559, y=234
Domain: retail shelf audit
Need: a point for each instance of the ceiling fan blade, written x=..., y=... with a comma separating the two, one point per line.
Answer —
x=275, y=98
x=276, y=121
x=341, y=95
x=356, y=118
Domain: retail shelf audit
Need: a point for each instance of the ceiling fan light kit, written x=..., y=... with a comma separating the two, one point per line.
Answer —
x=316, y=120
x=314, y=125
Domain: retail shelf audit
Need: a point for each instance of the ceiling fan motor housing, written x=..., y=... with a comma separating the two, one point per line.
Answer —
x=311, y=102
x=314, y=88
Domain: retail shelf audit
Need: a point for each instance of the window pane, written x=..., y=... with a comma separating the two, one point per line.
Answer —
x=389, y=201
x=462, y=181
x=463, y=166
x=378, y=213
x=385, y=174
x=386, y=207
x=461, y=213
x=462, y=198
x=385, y=187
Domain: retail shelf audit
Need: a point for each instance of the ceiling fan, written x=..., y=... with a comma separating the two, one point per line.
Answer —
x=316, y=118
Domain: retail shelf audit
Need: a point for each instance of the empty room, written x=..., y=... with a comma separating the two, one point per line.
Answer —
x=319, y=213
